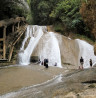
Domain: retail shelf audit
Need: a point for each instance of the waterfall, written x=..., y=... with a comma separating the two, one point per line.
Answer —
x=49, y=48
x=87, y=52
x=25, y=54
x=39, y=42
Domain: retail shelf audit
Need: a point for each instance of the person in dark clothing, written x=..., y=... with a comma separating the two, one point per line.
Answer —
x=90, y=62
x=55, y=64
x=81, y=62
x=46, y=63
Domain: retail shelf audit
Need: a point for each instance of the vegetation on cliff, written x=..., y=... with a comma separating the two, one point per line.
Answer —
x=41, y=10
x=77, y=16
x=88, y=12
x=14, y=8
x=63, y=14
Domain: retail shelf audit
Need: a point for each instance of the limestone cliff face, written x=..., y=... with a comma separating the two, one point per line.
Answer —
x=69, y=50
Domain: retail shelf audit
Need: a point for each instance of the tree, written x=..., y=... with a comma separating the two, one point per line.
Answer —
x=41, y=10
x=11, y=8
x=67, y=12
x=88, y=12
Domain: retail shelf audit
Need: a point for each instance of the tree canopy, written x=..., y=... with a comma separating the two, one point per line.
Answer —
x=41, y=10
x=67, y=14
x=13, y=8
x=67, y=11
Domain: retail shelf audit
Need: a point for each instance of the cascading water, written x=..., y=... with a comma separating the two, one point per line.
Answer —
x=87, y=52
x=25, y=54
x=51, y=50
x=50, y=47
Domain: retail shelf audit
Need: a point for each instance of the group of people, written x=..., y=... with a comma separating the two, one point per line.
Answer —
x=45, y=63
x=82, y=62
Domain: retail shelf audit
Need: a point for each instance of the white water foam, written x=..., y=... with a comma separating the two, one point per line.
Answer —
x=25, y=54
x=87, y=52
x=51, y=50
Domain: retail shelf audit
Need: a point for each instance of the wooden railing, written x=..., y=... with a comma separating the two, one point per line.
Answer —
x=16, y=26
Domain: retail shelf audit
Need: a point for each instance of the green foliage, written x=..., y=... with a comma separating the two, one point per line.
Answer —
x=29, y=18
x=28, y=1
x=58, y=27
x=64, y=14
x=67, y=11
x=12, y=8
x=41, y=10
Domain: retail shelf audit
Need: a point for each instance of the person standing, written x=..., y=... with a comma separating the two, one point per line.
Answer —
x=55, y=64
x=46, y=63
x=90, y=62
x=81, y=62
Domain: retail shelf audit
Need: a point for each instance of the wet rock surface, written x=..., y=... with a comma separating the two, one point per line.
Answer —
x=73, y=84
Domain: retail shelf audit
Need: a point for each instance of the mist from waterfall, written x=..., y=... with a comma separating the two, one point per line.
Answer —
x=87, y=52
